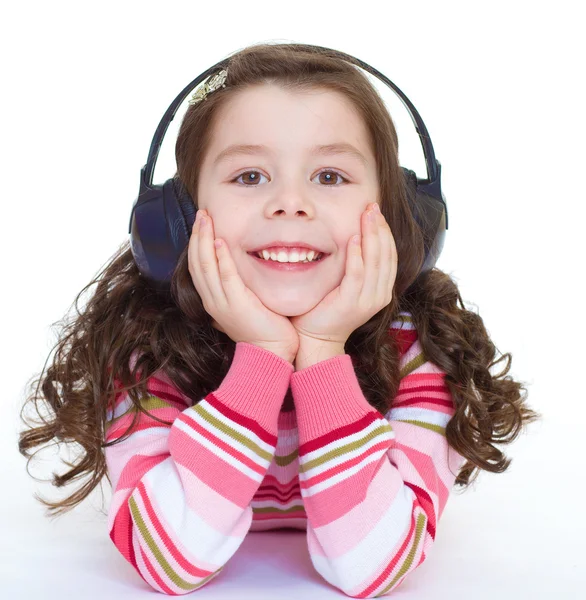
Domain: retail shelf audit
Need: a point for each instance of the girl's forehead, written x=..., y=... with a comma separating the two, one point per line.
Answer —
x=273, y=102
x=260, y=123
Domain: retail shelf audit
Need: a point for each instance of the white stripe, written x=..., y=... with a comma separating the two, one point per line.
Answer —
x=158, y=543
x=228, y=458
x=247, y=433
x=343, y=475
x=349, y=439
x=275, y=504
x=346, y=457
x=173, y=533
x=417, y=413
x=290, y=441
x=120, y=409
x=140, y=562
x=350, y=570
x=397, y=324
x=117, y=456
x=165, y=487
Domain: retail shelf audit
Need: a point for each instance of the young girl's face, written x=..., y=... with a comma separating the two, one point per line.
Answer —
x=286, y=192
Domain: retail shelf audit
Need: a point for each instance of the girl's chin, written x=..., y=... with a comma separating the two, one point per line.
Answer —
x=290, y=289
x=289, y=305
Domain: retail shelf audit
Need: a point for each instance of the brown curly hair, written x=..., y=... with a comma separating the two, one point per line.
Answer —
x=172, y=331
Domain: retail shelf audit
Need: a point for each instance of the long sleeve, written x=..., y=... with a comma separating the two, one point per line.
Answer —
x=374, y=487
x=181, y=493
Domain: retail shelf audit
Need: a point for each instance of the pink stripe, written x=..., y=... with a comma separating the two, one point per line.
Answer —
x=135, y=469
x=329, y=409
x=223, y=478
x=339, y=433
x=331, y=473
x=243, y=420
x=153, y=573
x=206, y=433
x=393, y=562
x=144, y=422
x=166, y=539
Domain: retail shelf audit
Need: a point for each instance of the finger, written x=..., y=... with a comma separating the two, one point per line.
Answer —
x=387, y=260
x=194, y=267
x=372, y=256
x=232, y=284
x=352, y=282
x=208, y=264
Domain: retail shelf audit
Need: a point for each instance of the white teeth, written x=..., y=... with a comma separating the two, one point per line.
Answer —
x=293, y=257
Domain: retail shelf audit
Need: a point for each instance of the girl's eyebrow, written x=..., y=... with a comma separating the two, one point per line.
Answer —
x=319, y=150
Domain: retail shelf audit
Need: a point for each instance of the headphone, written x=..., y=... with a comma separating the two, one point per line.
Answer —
x=163, y=215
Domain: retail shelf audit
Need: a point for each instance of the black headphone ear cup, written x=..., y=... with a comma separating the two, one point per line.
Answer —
x=160, y=228
x=185, y=202
x=410, y=181
x=430, y=216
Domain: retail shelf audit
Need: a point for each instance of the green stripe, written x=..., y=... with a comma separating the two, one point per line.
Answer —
x=403, y=319
x=311, y=464
x=410, y=557
x=245, y=441
x=415, y=362
x=286, y=459
x=149, y=403
x=272, y=509
x=171, y=574
x=437, y=428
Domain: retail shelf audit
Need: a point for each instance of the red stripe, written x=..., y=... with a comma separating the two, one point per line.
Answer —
x=277, y=497
x=271, y=482
x=383, y=576
x=121, y=535
x=155, y=576
x=221, y=444
x=271, y=491
x=161, y=390
x=298, y=514
x=383, y=445
x=144, y=422
x=440, y=386
x=167, y=541
x=239, y=418
x=340, y=432
x=136, y=467
x=413, y=401
x=426, y=503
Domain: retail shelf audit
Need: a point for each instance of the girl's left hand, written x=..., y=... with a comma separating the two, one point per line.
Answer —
x=367, y=286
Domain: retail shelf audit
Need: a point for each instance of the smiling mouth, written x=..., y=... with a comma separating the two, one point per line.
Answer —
x=321, y=256
x=289, y=266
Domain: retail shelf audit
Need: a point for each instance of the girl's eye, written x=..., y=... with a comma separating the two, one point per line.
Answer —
x=255, y=179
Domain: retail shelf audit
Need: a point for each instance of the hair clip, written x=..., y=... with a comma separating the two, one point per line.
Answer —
x=215, y=82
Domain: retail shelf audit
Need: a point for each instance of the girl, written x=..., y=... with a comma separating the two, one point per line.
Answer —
x=344, y=397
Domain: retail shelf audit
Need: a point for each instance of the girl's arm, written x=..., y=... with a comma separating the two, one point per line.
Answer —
x=181, y=494
x=374, y=487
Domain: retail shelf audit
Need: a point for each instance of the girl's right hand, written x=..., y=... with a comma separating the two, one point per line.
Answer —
x=237, y=311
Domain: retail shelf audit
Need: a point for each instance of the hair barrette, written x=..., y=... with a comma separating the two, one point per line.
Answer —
x=215, y=82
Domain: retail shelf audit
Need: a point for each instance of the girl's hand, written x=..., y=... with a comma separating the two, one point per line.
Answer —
x=236, y=310
x=366, y=288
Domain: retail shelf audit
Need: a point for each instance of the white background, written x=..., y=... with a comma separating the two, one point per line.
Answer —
x=500, y=88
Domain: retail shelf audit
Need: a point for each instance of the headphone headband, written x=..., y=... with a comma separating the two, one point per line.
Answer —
x=164, y=214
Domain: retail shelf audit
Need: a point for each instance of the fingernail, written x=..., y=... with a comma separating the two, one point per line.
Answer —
x=371, y=216
x=377, y=208
x=202, y=222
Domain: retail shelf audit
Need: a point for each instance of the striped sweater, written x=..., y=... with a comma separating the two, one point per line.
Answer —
x=368, y=488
